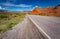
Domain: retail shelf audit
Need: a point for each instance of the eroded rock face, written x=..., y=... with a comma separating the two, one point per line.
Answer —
x=58, y=9
x=48, y=10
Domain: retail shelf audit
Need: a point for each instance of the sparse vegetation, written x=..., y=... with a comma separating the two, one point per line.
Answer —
x=8, y=20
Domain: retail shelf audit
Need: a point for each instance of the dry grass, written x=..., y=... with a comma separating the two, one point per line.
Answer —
x=8, y=20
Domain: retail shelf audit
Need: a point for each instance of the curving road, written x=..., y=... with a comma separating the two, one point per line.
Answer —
x=50, y=26
x=35, y=27
x=24, y=30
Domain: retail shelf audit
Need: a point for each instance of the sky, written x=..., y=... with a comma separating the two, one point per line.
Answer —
x=26, y=5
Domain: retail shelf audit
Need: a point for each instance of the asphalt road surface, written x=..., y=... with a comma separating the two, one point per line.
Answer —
x=24, y=30
x=50, y=25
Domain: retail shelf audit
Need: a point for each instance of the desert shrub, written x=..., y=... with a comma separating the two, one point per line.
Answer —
x=15, y=16
x=10, y=25
x=3, y=16
x=3, y=30
x=9, y=20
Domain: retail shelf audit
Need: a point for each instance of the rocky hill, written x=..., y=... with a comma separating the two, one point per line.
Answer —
x=47, y=11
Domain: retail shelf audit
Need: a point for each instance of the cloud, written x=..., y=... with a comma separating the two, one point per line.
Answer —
x=24, y=5
x=36, y=6
x=8, y=4
x=20, y=5
x=1, y=7
x=11, y=1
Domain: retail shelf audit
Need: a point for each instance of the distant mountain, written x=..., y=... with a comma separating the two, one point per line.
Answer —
x=47, y=11
x=1, y=10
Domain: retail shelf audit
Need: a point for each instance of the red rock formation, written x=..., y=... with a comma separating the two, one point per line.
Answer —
x=47, y=11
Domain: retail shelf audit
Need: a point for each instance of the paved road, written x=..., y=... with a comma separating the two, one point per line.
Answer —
x=50, y=25
x=24, y=30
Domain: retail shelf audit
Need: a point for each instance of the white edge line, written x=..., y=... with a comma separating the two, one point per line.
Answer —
x=40, y=28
